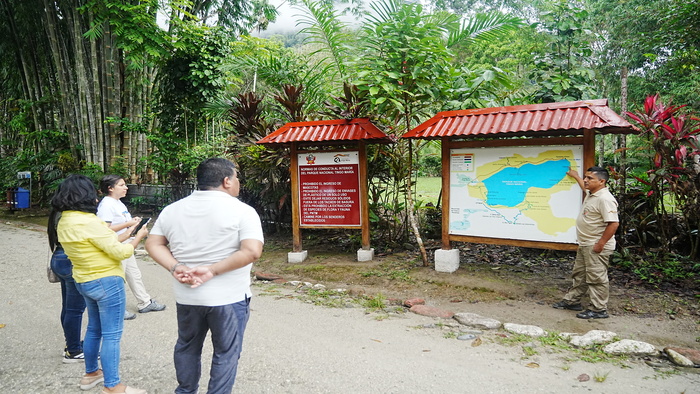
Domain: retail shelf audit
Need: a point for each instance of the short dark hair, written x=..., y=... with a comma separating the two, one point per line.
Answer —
x=600, y=172
x=211, y=172
x=108, y=181
x=75, y=193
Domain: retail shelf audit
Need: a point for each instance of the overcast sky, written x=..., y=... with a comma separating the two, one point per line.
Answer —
x=287, y=20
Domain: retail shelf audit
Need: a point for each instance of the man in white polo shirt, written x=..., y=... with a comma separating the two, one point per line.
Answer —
x=208, y=241
x=595, y=231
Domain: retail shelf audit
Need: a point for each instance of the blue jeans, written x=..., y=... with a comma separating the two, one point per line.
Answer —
x=105, y=299
x=227, y=324
x=73, y=303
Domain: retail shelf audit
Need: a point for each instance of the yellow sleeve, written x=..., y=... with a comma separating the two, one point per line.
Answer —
x=106, y=240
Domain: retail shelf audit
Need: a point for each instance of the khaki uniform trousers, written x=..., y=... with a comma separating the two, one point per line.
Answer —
x=590, y=274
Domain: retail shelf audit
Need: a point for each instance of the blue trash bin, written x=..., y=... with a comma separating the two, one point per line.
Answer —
x=21, y=198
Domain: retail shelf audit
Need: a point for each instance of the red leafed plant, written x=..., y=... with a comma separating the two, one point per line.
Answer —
x=675, y=164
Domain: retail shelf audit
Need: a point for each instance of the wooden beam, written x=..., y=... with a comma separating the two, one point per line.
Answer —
x=364, y=198
x=588, y=149
x=294, y=175
x=446, y=193
x=515, y=242
x=517, y=142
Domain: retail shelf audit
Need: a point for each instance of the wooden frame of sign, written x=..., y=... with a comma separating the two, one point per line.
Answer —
x=588, y=143
x=362, y=196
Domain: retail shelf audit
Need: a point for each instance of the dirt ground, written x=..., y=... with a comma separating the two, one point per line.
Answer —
x=515, y=285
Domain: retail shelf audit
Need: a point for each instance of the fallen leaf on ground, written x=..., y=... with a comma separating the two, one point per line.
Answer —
x=532, y=365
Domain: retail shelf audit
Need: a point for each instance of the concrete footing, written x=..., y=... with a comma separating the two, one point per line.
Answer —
x=365, y=254
x=446, y=260
x=297, y=257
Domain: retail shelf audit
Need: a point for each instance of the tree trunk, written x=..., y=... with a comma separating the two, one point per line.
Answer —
x=28, y=81
x=68, y=121
x=96, y=102
x=411, y=207
x=83, y=96
x=622, y=138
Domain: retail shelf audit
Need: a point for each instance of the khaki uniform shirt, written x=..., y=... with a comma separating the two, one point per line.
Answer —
x=599, y=209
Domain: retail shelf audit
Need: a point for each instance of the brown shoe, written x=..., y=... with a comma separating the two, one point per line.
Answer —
x=89, y=381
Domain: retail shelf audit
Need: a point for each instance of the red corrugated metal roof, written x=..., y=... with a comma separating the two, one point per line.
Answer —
x=327, y=131
x=564, y=118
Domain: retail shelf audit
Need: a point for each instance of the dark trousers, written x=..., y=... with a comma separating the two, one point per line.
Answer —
x=227, y=324
x=72, y=302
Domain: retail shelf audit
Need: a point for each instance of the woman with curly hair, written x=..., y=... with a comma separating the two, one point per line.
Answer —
x=96, y=254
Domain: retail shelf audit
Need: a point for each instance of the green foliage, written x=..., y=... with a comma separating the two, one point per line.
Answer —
x=656, y=268
x=430, y=165
x=139, y=35
x=263, y=172
x=657, y=43
x=514, y=52
x=191, y=77
x=405, y=63
x=674, y=169
x=374, y=303
x=325, y=31
x=563, y=73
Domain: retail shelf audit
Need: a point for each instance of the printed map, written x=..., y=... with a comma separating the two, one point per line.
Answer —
x=515, y=192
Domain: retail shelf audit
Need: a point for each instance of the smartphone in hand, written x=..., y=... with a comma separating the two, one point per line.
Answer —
x=144, y=221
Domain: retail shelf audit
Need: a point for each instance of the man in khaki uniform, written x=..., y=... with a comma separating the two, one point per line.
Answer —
x=595, y=231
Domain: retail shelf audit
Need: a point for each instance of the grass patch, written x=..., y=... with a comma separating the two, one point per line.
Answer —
x=596, y=355
x=328, y=298
x=600, y=377
x=664, y=373
x=428, y=188
x=374, y=303
x=529, y=351
x=269, y=290
x=512, y=340
x=553, y=340
x=305, y=268
x=395, y=270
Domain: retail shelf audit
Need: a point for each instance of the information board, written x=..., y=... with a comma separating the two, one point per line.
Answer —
x=329, y=189
x=520, y=193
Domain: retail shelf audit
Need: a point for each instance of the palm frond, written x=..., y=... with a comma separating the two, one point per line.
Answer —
x=488, y=26
x=324, y=28
x=446, y=21
x=382, y=11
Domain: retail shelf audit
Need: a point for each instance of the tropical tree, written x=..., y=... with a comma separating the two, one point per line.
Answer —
x=564, y=72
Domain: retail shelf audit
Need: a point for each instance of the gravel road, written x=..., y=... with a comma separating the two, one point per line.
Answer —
x=290, y=346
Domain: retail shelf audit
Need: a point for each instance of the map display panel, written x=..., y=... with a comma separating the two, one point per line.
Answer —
x=518, y=193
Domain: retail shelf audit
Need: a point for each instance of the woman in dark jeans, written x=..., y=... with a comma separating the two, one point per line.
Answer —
x=73, y=303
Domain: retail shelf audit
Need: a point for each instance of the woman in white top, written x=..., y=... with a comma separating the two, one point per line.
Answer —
x=114, y=212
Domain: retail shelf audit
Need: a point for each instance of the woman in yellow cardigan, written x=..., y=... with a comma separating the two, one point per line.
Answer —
x=96, y=255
